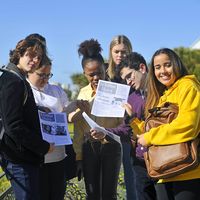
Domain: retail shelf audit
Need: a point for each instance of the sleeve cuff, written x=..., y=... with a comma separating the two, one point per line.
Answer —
x=147, y=138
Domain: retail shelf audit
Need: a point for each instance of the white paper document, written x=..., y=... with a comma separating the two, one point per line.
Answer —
x=109, y=99
x=54, y=128
x=98, y=128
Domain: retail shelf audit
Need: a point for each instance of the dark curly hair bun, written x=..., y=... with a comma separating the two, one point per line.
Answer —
x=89, y=48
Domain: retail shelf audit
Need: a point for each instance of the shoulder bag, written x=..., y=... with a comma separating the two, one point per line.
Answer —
x=167, y=161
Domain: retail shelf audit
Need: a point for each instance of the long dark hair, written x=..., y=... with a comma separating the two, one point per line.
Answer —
x=154, y=87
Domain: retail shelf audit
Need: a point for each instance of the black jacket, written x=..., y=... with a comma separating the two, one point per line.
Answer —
x=22, y=141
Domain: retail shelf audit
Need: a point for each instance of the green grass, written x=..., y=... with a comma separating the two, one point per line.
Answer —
x=4, y=183
x=71, y=129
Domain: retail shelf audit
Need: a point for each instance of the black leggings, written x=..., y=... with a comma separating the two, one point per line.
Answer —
x=179, y=190
x=101, y=166
x=52, y=181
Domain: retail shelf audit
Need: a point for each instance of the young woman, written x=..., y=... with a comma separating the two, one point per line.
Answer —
x=53, y=99
x=168, y=81
x=120, y=47
x=101, y=159
x=23, y=146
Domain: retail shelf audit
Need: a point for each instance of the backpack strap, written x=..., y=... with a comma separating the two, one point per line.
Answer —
x=2, y=130
x=2, y=69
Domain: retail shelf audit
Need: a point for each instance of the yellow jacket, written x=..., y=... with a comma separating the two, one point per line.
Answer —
x=81, y=129
x=185, y=92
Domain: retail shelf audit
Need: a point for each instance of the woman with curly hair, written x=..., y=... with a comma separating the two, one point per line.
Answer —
x=100, y=158
x=23, y=148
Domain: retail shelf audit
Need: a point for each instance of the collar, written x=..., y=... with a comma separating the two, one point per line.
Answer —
x=14, y=68
x=34, y=87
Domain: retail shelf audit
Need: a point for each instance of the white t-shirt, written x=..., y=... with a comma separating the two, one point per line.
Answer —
x=54, y=98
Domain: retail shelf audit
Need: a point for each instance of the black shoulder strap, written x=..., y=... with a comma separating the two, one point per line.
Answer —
x=25, y=95
x=2, y=69
x=2, y=130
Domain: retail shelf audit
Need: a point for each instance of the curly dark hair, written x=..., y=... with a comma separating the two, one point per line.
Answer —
x=90, y=50
x=33, y=46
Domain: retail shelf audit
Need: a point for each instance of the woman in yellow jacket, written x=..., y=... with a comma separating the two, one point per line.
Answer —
x=168, y=81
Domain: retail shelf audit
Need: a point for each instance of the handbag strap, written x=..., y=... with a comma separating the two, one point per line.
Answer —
x=167, y=107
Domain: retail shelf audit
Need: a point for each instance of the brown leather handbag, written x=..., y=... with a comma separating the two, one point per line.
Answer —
x=169, y=160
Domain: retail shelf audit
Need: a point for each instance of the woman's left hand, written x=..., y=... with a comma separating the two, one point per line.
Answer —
x=97, y=135
x=141, y=140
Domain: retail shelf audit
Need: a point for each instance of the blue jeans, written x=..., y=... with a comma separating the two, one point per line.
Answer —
x=128, y=172
x=24, y=179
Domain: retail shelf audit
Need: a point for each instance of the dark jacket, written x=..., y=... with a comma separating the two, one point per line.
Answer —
x=22, y=141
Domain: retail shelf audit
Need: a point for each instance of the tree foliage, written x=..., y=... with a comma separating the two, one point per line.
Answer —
x=79, y=79
x=191, y=59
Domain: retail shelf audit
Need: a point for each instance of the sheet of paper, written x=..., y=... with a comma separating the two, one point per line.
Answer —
x=109, y=99
x=95, y=126
x=54, y=128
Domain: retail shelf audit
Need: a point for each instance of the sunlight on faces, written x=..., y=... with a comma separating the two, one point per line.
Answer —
x=41, y=76
x=132, y=77
x=30, y=60
x=163, y=70
x=118, y=52
x=94, y=71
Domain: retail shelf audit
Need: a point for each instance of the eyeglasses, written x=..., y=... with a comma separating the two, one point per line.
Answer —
x=44, y=76
x=130, y=76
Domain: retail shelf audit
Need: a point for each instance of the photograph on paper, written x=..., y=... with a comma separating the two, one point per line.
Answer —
x=54, y=128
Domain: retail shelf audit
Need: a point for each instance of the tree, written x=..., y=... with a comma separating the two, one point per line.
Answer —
x=191, y=59
x=79, y=80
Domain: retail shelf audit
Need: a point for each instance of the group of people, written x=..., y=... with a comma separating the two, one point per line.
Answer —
x=38, y=168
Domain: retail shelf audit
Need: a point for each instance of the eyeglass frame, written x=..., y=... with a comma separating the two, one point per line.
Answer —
x=129, y=76
x=44, y=76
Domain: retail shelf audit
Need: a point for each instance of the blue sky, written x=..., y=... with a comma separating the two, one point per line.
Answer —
x=66, y=23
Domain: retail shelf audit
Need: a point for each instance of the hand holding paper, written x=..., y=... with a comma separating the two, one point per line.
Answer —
x=75, y=108
x=97, y=135
x=128, y=108
x=109, y=99
x=100, y=129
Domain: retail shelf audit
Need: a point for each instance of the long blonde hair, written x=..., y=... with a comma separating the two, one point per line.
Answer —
x=119, y=39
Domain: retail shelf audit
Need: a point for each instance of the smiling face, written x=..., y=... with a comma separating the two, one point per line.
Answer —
x=163, y=70
x=94, y=71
